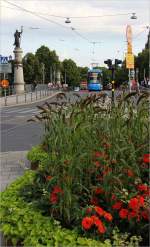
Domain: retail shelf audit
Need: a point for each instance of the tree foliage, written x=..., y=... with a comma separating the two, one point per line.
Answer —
x=71, y=71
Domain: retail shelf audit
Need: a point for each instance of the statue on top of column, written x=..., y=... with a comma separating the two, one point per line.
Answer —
x=17, y=36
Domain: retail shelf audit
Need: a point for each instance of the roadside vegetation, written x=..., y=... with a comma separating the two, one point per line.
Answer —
x=89, y=184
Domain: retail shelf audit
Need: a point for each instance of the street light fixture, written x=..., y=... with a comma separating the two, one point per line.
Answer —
x=133, y=16
x=67, y=20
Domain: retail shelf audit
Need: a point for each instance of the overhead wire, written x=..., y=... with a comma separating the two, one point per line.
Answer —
x=38, y=15
x=73, y=17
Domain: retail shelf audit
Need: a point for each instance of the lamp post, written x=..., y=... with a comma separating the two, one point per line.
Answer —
x=43, y=73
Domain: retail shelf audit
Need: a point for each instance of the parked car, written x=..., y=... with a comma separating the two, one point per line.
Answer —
x=76, y=89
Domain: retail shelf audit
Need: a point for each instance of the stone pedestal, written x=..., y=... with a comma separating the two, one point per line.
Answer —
x=18, y=71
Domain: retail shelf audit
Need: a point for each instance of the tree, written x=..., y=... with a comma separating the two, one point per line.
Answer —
x=50, y=60
x=31, y=68
x=70, y=69
x=83, y=73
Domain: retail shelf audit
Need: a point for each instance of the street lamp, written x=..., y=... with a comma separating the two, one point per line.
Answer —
x=133, y=16
x=67, y=20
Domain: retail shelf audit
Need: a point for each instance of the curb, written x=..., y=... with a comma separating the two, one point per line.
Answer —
x=24, y=104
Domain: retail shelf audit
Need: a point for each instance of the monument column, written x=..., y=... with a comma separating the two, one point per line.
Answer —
x=18, y=71
x=18, y=68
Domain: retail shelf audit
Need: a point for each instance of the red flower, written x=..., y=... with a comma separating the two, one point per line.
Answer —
x=98, y=154
x=108, y=216
x=57, y=189
x=99, y=211
x=136, y=202
x=97, y=164
x=123, y=213
x=145, y=215
x=101, y=228
x=133, y=203
x=130, y=173
x=132, y=214
x=53, y=198
x=113, y=197
x=117, y=205
x=99, y=191
x=142, y=187
x=48, y=178
x=106, y=171
x=146, y=158
x=87, y=222
x=96, y=220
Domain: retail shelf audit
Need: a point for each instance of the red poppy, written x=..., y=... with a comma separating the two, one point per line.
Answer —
x=146, y=158
x=99, y=211
x=48, y=178
x=87, y=222
x=108, y=216
x=99, y=191
x=117, y=205
x=101, y=228
x=123, y=213
x=107, y=145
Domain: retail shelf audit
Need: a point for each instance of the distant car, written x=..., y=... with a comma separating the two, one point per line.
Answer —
x=76, y=89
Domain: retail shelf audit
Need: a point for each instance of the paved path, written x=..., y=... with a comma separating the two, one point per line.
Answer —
x=12, y=165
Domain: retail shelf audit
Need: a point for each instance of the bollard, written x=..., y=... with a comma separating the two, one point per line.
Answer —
x=16, y=98
x=31, y=97
x=5, y=98
x=36, y=94
x=25, y=97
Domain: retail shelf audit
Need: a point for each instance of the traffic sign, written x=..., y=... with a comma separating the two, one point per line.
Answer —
x=6, y=68
x=5, y=83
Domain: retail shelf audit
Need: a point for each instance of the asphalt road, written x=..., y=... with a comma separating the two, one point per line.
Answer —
x=16, y=133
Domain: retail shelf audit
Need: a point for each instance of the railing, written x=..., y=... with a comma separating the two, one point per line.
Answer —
x=28, y=88
x=26, y=97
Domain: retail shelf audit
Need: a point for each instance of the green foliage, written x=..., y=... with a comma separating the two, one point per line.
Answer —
x=37, y=155
x=49, y=59
x=21, y=223
x=72, y=72
x=32, y=68
x=83, y=73
x=73, y=133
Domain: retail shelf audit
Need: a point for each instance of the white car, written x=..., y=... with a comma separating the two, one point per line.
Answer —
x=76, y=89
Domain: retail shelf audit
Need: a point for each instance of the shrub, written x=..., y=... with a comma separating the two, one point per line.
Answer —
x=22, y=224
x=95, y=159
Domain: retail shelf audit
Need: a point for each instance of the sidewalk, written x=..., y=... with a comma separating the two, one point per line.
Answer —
x=12, y=165
x=27, y=98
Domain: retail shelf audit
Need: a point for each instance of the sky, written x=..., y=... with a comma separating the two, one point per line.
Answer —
x=97, y=30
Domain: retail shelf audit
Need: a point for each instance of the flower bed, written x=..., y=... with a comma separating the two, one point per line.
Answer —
x=93, y=174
